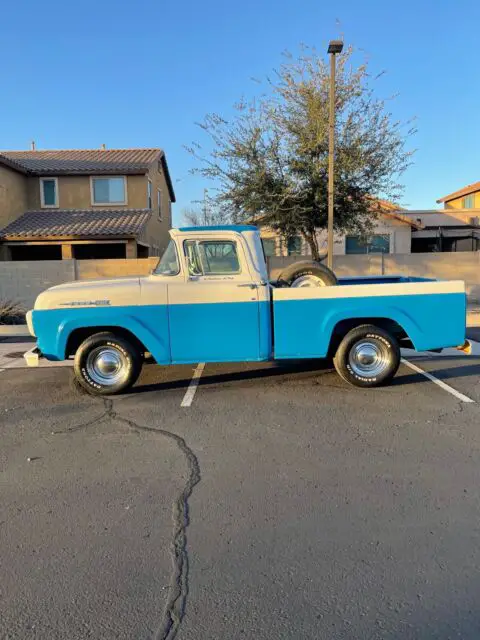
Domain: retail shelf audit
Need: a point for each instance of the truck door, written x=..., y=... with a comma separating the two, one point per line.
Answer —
x=214, y=316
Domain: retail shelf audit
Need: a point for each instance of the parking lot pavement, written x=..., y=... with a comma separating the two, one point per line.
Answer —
x=320, y=511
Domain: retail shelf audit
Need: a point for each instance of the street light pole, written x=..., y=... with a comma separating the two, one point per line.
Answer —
x=205, y=217
x=334, y=47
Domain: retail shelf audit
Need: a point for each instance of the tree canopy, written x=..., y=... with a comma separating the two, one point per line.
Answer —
x=269, y=161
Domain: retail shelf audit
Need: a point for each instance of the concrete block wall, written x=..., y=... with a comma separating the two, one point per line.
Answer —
x=92, y=269
x=462, y=265
x=23, y=281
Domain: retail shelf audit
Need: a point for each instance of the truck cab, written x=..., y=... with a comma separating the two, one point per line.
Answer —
x=215, y=281
x=210, y=300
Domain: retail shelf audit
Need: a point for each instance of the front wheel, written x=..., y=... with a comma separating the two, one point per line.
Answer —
x=367, y=356
x=106, y=364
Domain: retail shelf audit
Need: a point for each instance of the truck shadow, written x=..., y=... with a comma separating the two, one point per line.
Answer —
x=291, y=371
x=223, y=373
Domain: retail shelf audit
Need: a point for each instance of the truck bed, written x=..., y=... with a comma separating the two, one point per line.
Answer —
x=390, y=279
x=431, y=313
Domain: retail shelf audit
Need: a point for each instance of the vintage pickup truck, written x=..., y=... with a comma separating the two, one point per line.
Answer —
x=209, y=300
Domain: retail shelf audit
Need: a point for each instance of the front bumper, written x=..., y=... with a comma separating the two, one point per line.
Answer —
x=29, y=320
x=32, y=357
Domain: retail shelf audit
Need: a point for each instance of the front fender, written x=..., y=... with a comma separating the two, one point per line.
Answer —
x=148, y=323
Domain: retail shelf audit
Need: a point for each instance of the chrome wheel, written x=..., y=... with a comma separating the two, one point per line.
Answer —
x=369, y=358
x=107, y=366
x=307, y=281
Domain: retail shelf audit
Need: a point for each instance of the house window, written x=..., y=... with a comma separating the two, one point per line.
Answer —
x=149, y=194
x=109, y=190
x=49, y=192
x=367, y=244
x=468, y=202
x=211, y=257
x=294, y=246
x=269, y=247
x=159, y=203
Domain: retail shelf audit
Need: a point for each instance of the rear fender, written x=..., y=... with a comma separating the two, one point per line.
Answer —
x=406, y=322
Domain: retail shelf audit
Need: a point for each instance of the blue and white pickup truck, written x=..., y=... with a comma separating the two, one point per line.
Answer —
x=209, y=300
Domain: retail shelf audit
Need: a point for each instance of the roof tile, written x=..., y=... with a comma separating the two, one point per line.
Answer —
x=84, y=160
x=88, y=223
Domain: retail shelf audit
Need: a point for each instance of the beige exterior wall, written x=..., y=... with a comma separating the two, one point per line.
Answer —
x=157, y=229
x=458, y=203
x=13, y=195
x=74, y=193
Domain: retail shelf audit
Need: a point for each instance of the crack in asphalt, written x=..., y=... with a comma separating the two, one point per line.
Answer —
x=178, y=590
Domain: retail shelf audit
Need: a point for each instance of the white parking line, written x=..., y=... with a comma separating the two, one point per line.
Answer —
x=438, y=382
x=192, y=387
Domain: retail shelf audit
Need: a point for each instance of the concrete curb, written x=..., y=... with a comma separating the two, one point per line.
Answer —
x=14, y=330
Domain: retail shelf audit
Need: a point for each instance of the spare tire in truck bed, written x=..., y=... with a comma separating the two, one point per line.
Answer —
x=307, y=274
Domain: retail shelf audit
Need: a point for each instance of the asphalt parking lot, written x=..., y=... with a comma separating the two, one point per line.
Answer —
x=268, y=502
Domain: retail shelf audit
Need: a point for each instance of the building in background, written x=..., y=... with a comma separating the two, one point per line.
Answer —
x=446, y=230
x=84, y=203
x=466, y=198
x=392, y=233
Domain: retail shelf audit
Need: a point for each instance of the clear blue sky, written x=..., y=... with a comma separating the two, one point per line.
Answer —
x=140, y=73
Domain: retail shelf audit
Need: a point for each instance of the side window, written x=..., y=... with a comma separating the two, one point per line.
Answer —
x=211, y=257
x=149, y=194
x=193, y=258
x=49, y=192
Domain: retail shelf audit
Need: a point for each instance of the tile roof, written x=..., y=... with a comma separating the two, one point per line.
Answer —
x=56, y=162
x=90, y=223
x=470, y=188
x=13, y=164
x=84, y=160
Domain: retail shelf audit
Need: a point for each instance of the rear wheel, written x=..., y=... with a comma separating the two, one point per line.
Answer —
x=367, y=356
x=106, y=364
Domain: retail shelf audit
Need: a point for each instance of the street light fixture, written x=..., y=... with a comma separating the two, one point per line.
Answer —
x=334, y=47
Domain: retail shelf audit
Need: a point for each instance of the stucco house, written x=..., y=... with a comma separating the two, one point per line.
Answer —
x=392, y=233
x=465, y=198
x=84, y=203
x=456, y=227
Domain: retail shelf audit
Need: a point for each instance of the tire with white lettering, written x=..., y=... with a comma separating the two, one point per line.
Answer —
x=367, y=356
x=106, y=364
x=307, y=274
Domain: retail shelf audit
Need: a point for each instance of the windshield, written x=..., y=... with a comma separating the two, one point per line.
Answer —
x=168, y=265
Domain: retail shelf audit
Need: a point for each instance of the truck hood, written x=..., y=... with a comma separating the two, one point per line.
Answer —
x=91, y=293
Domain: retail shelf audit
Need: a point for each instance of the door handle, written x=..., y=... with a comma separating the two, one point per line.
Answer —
x=253, y=285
